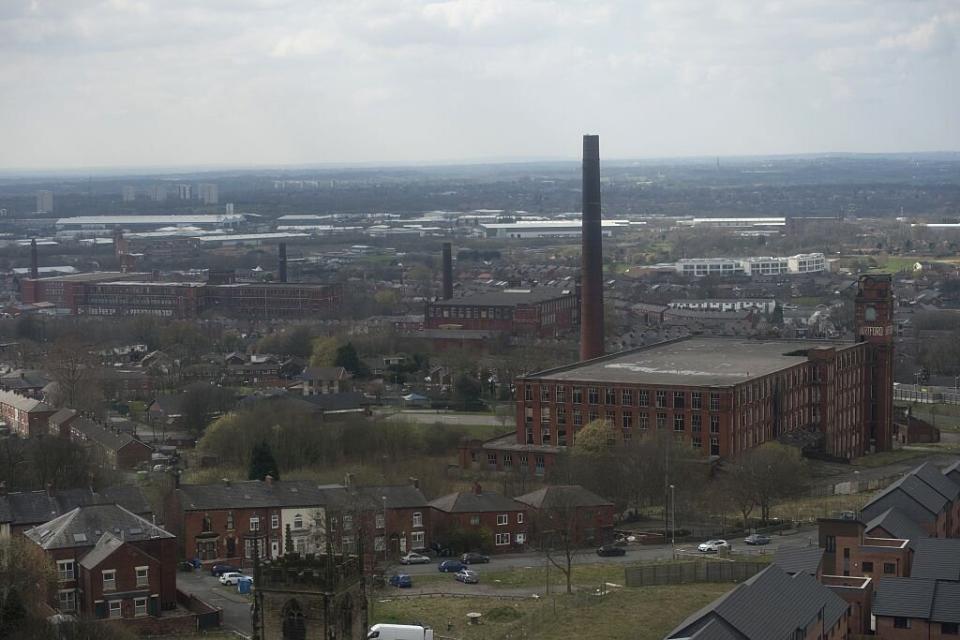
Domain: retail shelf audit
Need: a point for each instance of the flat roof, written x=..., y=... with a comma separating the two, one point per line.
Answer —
x=507, y=297
x=226, y=237
x=550, y=224
x=154, y=219
x=695, y=361
x=92, y=276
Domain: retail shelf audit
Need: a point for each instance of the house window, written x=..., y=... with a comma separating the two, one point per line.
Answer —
x=378, y=544
x=207, y=525
x=64, y=570
x=418, y=539
x=661, y=399
x=520, y=538
x=492, y=460
x=643, y=398
x=561, y=415
x=539, y=465
x=418, y=519
x=696, y=400
x=696, y=442
x=520, y=518
x=678, y=422
x=714, y=402
x=115, y=608
x=610, y=397
x=626, y=420
x=678, y=399
x=475, y=521
x=830, y=544
x=229, y=520
x=714, y=424
x=561, y=394
x=502, y=539
x=527, y=392
x=523, y=462
x=298, y=521
x=889, y=568
x=346, y=544
x=109, y=579
x=902, y=623
x=507, y=461
x=502, y=519
x=643, y=421
x=254, y=524
x=143, y=576
x=545, y=415
x=593, y=395
x=139, y=607
x=867, y=567
x=577, y=395
x=67, y=600
x=696, y=423
x=348, y=523
x=379, y=521
x=544, y=394
x=274, y=521
x=626, y=397
x=577, y=418
x=661, y=421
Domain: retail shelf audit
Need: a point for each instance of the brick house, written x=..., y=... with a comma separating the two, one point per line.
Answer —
x=20, y=511
x=928, y=497
x=113, y=449
x=27, y=417
x=848, y=551
x=323, y=380
x=501, y=521
x=586, y=517
x=59, y=423
x=111, y=563
x=916, y=608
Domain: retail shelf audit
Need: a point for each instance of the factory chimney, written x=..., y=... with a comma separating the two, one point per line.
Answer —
x=447, y=271
x=282, y=262
x=34, y=260
x=591, y=255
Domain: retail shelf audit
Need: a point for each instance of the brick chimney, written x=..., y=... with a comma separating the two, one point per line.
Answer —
x=268, y=479
x=415, y=482
x=477, y=489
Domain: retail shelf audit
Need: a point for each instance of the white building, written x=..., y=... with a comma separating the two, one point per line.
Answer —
x=763, y=305
x=128, y=193
x=736, y=223
x=185, y=191
x=308, y=530
x=44, y=201
x=546, y=228
x=757, y=266
x=208, y=193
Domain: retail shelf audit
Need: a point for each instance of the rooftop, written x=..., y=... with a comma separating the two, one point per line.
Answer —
x=507, y=297
x=85, y=525
x=692, y=361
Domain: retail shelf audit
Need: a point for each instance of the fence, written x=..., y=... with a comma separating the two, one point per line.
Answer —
x=690, y=572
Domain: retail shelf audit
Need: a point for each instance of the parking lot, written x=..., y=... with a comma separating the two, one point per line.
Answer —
x=236, y=607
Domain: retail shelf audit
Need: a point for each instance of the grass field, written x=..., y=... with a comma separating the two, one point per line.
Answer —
x=640, y=614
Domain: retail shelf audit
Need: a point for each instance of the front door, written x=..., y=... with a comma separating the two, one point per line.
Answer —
x=231, y=548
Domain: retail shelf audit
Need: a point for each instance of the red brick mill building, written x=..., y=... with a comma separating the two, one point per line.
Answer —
x=722, y=396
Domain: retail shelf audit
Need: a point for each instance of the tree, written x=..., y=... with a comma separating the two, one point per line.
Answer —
x=555, y=528
x=262, y=463
x=324, y=351
x=73, y=369
x=346, y=357
x=466, y=391
x=27, y=576
x=762, y=476
x=200, y=402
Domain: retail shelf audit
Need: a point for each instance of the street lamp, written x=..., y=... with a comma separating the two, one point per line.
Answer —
x=673, y=520
x=856, y=480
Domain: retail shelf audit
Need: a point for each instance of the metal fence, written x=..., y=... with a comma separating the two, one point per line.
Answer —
x=691, y=572
x=925, y=394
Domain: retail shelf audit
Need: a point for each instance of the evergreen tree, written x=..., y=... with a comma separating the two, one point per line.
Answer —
x=348, y=359
x=262, y=463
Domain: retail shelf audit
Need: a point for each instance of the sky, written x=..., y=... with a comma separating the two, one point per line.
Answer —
x=141, y=83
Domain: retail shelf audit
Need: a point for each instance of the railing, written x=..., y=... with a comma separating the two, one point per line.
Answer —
x=691, y=572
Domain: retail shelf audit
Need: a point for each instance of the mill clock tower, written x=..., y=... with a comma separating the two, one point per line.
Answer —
x=874, y=325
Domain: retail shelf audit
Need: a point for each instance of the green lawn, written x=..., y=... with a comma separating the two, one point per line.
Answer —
x=536, y=577
x=498, y=615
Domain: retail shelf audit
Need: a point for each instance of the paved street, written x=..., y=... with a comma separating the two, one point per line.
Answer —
x=236, y=608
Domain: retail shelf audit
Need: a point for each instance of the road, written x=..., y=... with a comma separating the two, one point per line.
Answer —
x=236, y=608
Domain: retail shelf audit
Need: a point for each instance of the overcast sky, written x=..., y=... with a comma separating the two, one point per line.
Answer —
x=86, y=83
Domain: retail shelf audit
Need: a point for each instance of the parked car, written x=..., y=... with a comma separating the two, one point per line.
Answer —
x=467, y=576
x=233, y=577
x=608, y=550
x=401, y=581
x=714, y=546
x=757, y=539
x=451, y=566
x=474, y=558
x=441, y=551
x=415, y=558
x=220, y=569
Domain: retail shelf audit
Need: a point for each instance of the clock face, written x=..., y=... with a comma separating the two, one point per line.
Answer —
x=870, y=314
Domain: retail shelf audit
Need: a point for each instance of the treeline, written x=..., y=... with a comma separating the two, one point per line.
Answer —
x=36, y=463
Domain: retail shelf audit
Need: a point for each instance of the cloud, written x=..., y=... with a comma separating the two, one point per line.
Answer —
x=112, y=82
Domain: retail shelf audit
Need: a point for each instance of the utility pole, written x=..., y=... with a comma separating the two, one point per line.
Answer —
x=673, y=521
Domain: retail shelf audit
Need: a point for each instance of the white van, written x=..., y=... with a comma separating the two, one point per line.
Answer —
x=400, y=632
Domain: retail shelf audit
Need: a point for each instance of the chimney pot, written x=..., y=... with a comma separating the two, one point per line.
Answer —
x=268, y=479
x=415, y=482
x=477, y=489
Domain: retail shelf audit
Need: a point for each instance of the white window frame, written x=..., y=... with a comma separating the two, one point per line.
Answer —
x=112, y=580
x=503, y=519
x=137, y=607
x=143, y=581
x=418, y=539
x=72, y=604
x=380, y=521
x=474, y=521
x=298, y=521
x=520, y=517
x=254, y=523
x=379, y=543
x=66, y=571
x=417, y=519
x=502, y=539
x=274, y=521
x=521, y=538
x=111, y=608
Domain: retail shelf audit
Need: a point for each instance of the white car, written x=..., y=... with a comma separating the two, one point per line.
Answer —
x=714, y=546
x=233, y=577
x=415, y=558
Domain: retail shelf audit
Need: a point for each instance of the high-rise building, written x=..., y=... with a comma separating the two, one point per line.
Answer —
x=158, y=192
x=128, y=193
x=229, y=209
x=185, y=191
x=208, y=193
x=44, y=201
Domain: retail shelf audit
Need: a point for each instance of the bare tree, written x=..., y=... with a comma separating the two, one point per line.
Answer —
x=74, y=369
x=557, y=529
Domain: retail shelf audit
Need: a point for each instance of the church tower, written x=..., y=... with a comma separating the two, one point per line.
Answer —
x=874, y=325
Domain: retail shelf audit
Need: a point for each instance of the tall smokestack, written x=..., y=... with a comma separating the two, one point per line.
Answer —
x=282, y=262
x=34, y=260
x=591, y=255
x=447, y=270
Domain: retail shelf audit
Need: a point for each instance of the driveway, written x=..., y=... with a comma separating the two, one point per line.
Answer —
x=236, y=608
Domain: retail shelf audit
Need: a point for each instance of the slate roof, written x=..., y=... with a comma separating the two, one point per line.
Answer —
x=472, y=502
x=953, y=472
x=83, y=526
x=104, y=548
x=796, y=559
x=937, y=481
x=507, y=297
x=563, y=496
x=398, y=496
x=104, y=437
x=934, y=600
x=897, y=524
x=250, y=494
x=769, y=606
x=23, y=403
x=35, y=507
x=324, y=373
x=918, y=500
x=61, y=416
x=937, y=558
